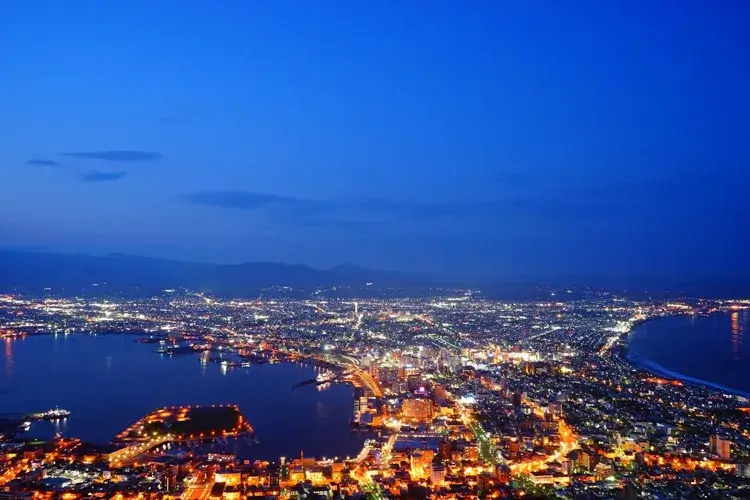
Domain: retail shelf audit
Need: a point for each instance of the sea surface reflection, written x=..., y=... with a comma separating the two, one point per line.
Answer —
x=110, y=381
x=710, y=349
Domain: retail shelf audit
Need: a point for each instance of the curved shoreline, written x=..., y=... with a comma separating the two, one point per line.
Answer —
x=657, y=369
x=641, y=362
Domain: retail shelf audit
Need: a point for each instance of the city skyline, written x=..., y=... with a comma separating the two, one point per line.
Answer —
x=367, y=250
x=489, y=139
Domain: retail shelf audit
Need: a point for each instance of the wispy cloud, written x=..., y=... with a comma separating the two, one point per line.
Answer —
x=303, y=211
x=44, y=163
x=123, y=156
x=244, y=200
x=238, y=200
x=97, y=176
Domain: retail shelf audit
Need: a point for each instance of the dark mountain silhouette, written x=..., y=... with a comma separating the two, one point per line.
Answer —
x=70, y=274
x=35, y=271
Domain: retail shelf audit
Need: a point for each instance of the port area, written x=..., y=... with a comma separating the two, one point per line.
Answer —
x=187, y=423
x=55, y=414
x=12, y=424
x=175, y=424
x=182, y=349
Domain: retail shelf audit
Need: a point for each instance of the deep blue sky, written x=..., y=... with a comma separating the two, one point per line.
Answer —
x=508, y=138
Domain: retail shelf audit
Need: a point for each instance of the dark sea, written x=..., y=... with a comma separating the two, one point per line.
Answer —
x=110, y=381
x=710, y=350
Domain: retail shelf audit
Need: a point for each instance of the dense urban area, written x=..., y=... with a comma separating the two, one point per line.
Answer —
x=465, y=397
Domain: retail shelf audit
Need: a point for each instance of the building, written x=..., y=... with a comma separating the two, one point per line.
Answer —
x=388, y=375
x=361, y=405
x=228, y=477
x=471, y=452
x=577, y=460
x=445, y=449
x=502, y=473
x=743, y=470
x=414, y=382
x=217, y=490
x=420, y=464
x=417, y=410
x=542, y=477
x=437, y=473
x=720, y=447
x=554, y=410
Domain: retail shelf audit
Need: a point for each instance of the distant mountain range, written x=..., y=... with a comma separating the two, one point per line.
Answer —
x=68, y=274
x=35, y=271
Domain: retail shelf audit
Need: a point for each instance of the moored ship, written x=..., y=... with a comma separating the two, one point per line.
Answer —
x=55, y=414
x=182, y=349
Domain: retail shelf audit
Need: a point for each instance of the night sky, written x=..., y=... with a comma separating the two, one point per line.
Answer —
x=504, y=138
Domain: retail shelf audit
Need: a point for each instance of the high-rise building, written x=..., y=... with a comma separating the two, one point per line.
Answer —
x=720, y=447
x=375, y=370
x=579, y=460
x=361, y=405
x=437, y=473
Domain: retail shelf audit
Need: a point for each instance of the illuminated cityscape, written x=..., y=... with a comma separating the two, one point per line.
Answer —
x=461, y=397
x=374, y=250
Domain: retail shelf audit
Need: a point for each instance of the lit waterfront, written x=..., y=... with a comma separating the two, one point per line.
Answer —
x=122, y=381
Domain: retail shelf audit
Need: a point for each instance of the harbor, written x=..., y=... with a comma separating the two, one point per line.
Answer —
x=53, y=414
x=126, y=380
x=12, y=424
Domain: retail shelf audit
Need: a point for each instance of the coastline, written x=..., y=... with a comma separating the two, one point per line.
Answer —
x=641, y=362
x=274, y=444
